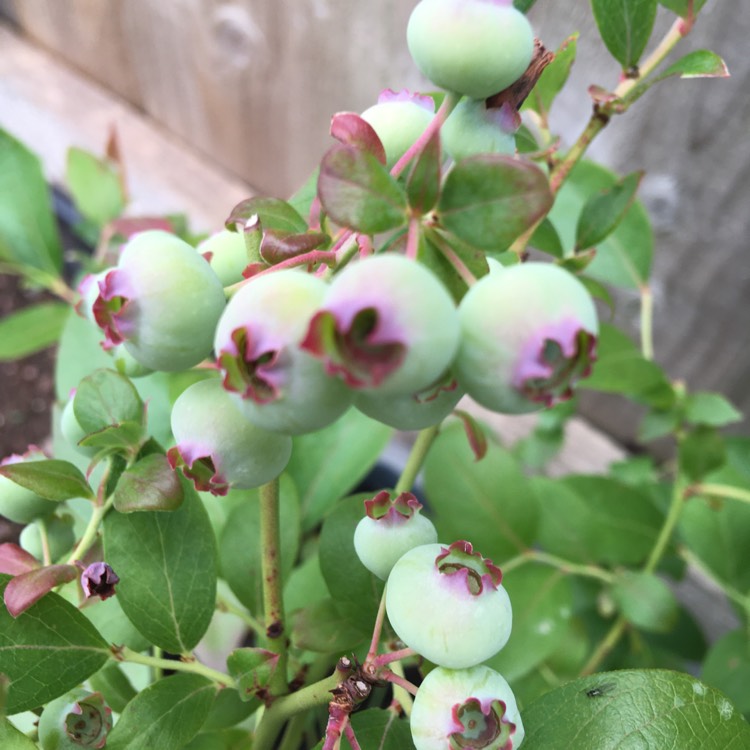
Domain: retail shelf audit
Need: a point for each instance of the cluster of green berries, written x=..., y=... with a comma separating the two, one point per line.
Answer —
x=448, y=605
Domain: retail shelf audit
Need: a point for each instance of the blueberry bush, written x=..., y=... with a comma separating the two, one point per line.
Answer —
x=201, y=567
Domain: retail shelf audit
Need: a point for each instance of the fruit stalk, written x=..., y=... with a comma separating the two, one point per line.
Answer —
x=416, y=458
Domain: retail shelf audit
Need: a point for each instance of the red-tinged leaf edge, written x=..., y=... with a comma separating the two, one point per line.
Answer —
x=14, y=561
x=278, y=246
x=352, y=130
x=25, y=590
x=474, y=433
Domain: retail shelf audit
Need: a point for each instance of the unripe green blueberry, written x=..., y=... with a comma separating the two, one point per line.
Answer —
x=60, y=536
x=447, y=603
x=126, y=364
x=528, y=334
x=473, y=129
x=473, y=47
x=162, y=301
x=279, y=386
x=226, y=253
x=17, y=503
x=72, y=431
x=465, y=708
x=218, y=447
x=415, y=411
x=390, y=529
x=387, y=324
x=79, y=719
x=399, y=119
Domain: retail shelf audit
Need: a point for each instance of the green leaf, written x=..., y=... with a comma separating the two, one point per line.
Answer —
x=252, y=669
x=487, y=502
x=149, y=484
x=634, y=709
x=379, y=729
x=523, y=5
x=240, y=550
x=328, y=464
x=106, y=399
x=621, y=368
x=625, y=27
x=167, y=568
x=727, y=668
x=645, y=601
x=46, y=651
x=357, y=191
x=355, y=591
x=701, y=63
x=542, y=607
x=53, y=479
x=319, y=627
x=710, y=409
x=423, y=182
x=96, y=186
x=682, y=7
x=32, y=329
x=603, y=211
x=273, y=214
x=701, y=451
x=489, y=200
x=657, y=424
x=114, y=686
x=546, y=239
x=624, y=257
x=12, y=739
x=596, y=519
x=166, y=715
x=305, y=586
x=28, y=232
x=553, y=77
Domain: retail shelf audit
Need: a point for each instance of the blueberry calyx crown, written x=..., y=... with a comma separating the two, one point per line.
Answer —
x=391, y=511
x=478, y=726
x=479, y=573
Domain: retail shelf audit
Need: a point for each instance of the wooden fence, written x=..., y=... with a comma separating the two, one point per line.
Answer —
x=250, y=85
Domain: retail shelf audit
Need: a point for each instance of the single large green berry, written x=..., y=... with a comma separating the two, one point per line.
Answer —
x=473, y=47
x=279, y=386
x=473, y=129
x=60, y=536
x=528, y=333
x=162, y=301
x=465, y=708
x=218, y=447
x=390, y=528
x=17, y=503
x=447, y=603
x=74, y=721
x=387, y=324
x=399, y=119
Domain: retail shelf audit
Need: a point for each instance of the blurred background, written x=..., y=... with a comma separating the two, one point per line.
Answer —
x=214, y=101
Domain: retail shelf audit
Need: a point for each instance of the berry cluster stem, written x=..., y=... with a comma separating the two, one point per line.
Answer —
x=273, y=604
x=416, y=458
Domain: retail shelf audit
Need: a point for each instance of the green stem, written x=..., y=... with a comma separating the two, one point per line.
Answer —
x=223, y=605
x=89, y=535
x=273, y=603
x=317, y=694
x=400, y=693
x=603, y=649
x=416, y=458
x=673, y=516
x=721, y=490
x=564, y=566
x=123, y=653
x=293, y=733
x=740, y=599
x=647, y=317
x=44, y=537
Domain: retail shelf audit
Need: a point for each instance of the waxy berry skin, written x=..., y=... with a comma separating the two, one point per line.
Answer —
x=473, y=47
x=162, y=301
x=60, y=536
x=473, y=129
x=465, y=708
x=278, y=386
x=218, y=447
x=387, y=324
x=528, y=334
x=226, y=253
x=399, y=118
x=390, y=529
x=448, y=605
